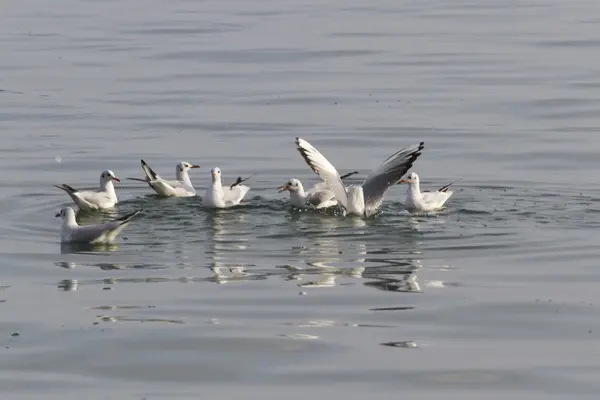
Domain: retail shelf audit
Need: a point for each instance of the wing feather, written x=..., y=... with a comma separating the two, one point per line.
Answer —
x=319, y=197
x=322, y=167
x=388, y=174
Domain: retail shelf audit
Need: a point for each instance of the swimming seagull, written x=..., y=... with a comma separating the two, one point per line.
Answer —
x=217, y=196
x=72, y=232
x=319, y=196
x=417, y=201
x=363, y=200
x=181, y=187
x=104, y=198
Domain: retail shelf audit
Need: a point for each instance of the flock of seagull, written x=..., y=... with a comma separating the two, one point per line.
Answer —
x=354, y=200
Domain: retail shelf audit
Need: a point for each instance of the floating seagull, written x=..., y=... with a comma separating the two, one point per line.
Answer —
x=181, y=187
x=101, y=199
x=319, y=196
x=217, y=196
x=417, y=201
x=71, y=232
x=363, y=200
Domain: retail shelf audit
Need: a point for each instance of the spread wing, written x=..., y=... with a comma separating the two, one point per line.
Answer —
x=388, y=174
x=322, y=167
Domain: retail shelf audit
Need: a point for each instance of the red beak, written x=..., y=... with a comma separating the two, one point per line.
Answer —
x=116, y=179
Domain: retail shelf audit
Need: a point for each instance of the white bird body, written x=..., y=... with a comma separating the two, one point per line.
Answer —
x=319, y=196
x=181, y=187
x=72, y=232
x=417, y=201
x=103, y=198
x=360, y=200
x=217, y=196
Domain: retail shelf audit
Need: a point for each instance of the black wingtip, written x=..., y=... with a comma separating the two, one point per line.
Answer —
x=66, y=188
x=414, y=155
x=445, y=188
x=129, y=217
x=304, y=155
x=420, y=148
x=349, y=174
x=137, y=179
x=149, y=171
x=239, y=180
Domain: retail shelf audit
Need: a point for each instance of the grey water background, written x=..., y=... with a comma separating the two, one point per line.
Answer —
x=495, y=296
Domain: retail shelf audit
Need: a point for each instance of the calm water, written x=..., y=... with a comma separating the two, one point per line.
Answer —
x=496, y=296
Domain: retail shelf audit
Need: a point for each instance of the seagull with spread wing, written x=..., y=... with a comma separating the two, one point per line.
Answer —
x=361, y=200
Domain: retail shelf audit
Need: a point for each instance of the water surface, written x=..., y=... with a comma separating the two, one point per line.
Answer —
x=492, y=297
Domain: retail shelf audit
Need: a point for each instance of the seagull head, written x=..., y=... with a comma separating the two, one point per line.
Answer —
x=411, y=179
x=65, y=214
x=107, y=176
x=216, y=174
x=293, y=185
x=186, y=166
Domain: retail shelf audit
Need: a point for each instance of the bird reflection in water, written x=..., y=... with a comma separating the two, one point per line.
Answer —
x=227, y=238
x=359, y=248
x=87, y=248
x=68, y=285
x=81, y=248
x=332, y=249
x=397, y=276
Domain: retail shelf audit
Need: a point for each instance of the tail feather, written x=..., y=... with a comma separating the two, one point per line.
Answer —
x=348, y=174
x=148, y=171
x=66, y=188
x=126, y=218
x=138, y=179
x=443, y=189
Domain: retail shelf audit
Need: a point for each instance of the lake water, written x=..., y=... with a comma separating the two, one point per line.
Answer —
x=495, y=296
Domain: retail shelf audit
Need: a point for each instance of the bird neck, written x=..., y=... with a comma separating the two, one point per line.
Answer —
x=298, y=195
x=414, y=189
x=216, y=183
x=109, y=188
x=183, y=177
x=70, y=221
x=300, y=192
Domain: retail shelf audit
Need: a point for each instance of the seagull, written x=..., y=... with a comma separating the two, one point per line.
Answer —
x=417, y=201
x=360, y=200
x=217, y=196
x=72, y=232
x=102, y=199
x=319, y=196
x=181, y=187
